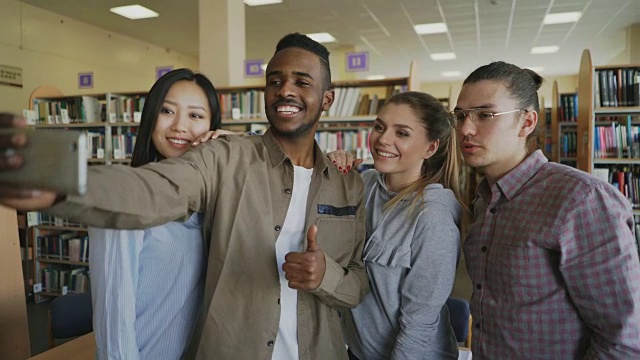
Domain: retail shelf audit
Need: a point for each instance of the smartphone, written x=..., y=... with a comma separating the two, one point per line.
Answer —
x=53, y=160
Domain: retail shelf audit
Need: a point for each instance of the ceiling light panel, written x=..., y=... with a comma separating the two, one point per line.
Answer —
x=322, y=37
x=433, y=28
x=545, y=49
x=134, y=12
x=562, y=18
x=443, y=56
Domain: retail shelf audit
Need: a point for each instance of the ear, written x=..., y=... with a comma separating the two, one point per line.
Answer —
x=529, y=123
x=327, y=99
x=433, y=147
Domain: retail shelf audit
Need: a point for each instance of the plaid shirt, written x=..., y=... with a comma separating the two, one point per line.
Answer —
x=554, y=266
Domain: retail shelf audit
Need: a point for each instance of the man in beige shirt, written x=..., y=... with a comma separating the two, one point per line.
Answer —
x=244, y=187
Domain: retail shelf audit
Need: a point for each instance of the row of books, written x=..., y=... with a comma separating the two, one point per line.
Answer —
x=69, y=246
x=123, y=145
x=568, y=107
x=88, y=109
x=624, y=178
x=617, y=87
x=125, y=108
x=35, y=218
x=569, y=144
x=81, y=109
x=617, y=141
x=355, y=141
x=57, y=279
x=242, y=105
x=95, y=144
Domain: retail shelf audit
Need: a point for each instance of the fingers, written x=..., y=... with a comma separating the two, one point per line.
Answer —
x=312, y=244
x=8, y=192
x=8, y=121
x=27, y=200
x=10, y=160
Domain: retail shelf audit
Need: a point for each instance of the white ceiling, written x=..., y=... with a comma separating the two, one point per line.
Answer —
x=480, y=31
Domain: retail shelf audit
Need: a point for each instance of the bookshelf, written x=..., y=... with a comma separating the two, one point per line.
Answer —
x=61, y=257
x=608, y=126
x=564, y=112
x=544, y=132
x=110, y=121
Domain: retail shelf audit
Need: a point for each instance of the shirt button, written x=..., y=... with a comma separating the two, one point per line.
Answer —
x=484, y=249
x=493, y=210
x=479, y=286
x=287, y=191
x=278, y=227
x=270, y=343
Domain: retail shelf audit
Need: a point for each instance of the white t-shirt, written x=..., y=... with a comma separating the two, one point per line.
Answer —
x=291, y=238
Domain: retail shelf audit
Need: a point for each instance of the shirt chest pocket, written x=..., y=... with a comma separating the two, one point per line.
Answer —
x=336, y=237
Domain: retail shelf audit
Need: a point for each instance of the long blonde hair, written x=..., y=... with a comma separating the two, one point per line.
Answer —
x=443, y=167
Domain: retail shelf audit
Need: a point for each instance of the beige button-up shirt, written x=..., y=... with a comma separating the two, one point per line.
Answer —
x=243, y=187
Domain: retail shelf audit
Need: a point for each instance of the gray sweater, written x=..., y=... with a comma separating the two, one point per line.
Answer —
x=411, y=263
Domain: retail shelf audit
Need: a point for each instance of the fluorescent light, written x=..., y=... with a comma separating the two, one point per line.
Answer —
x=434, y=28
x=134, y=12
x=545, y=49
x=537, y=69
x=443, y=56
x=322, y=37
x=562, y=18
x=261, y=2
x=451, y=73
x=376, y=77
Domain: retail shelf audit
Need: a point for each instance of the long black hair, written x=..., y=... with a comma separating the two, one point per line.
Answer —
x=144, y=151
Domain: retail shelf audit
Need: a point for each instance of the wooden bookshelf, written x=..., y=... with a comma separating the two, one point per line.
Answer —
x=53, y=250
x=612, y=128
x=14, y=333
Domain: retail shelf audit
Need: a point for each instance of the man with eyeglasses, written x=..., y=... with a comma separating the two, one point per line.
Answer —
x=552, y=253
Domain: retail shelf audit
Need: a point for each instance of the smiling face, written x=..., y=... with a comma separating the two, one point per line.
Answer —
x=294, y=94
x=399, y=144
x=185, y=114
x=499, y=144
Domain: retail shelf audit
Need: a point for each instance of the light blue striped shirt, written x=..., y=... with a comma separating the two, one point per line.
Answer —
x=147, y=289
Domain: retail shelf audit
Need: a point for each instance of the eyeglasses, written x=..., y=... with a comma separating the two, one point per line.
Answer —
x=479, y=116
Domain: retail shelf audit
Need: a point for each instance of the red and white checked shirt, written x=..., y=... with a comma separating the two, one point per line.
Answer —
x=554, y=265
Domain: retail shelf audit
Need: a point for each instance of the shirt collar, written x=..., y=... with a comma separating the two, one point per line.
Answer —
x=511, y=183
x=278, y=156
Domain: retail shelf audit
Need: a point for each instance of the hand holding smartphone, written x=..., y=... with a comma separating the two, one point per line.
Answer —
x=53, y=160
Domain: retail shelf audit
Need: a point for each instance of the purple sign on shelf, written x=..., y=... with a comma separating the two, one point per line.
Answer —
x=85, y=80
x=357, y=61
x=161, y=70
x=253, y=68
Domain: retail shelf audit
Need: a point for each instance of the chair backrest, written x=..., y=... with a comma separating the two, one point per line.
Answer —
x=70, y=316
x=460, y=317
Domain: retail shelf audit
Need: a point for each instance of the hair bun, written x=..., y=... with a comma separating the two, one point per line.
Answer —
x=537, y=79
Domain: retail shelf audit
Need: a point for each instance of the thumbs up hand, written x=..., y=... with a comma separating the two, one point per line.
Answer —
x=305, y=270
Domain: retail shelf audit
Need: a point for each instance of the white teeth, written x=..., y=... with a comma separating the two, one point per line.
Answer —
x=385, y=154
x=178, y=141
x=288, y=110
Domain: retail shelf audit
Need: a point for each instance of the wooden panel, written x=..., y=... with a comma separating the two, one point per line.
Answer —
x=14, y=328
x=555, y=123
x=542, y=128
x=82, y=348
x=585, y=113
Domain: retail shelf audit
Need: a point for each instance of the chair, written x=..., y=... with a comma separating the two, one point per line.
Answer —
x=460, y=317
x=70, y=316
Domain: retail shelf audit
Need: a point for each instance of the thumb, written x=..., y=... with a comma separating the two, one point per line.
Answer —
x=357, y=162
x=312, y=244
